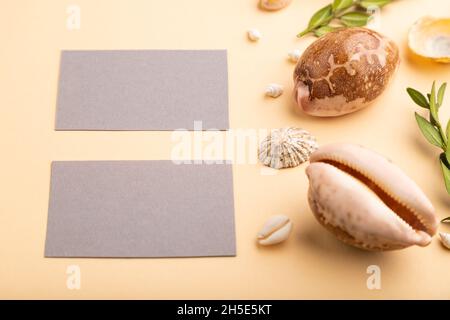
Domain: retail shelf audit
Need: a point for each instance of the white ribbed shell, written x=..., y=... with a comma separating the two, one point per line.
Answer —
x=287, y=147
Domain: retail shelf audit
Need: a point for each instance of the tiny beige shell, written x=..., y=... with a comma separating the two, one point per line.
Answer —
x=286, y=148
x=254, y=35
x=445, y=239
x=273, y=5
x=275, y=230
x=430, y=38
x=274, y=90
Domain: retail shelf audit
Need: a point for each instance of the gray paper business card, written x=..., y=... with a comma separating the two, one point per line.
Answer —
x=142, y=90
x=140, y=209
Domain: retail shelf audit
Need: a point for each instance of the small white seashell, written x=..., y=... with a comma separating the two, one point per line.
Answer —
x=445, y=239
x=274, y=90
x=254, y=34
x=294, y=55
x=286, y=147
x=275, y=230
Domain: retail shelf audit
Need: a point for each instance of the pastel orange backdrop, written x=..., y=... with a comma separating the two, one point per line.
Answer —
x=312, y=264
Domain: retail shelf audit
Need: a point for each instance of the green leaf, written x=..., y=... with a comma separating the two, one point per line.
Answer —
x=429, y=96
x=433, y=106
x=432, y=96
x=441, y=93
x=323, y=30
x=355, y=19
x=418, y=98
x=445, y=171
x=446, y=220
x=339, y=5
x=373, y=3
x=429, y=131
x=447, y=130
x=321, y=17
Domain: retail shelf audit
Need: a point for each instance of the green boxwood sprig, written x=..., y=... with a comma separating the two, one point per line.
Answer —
x=431, y=128
x=339, y=14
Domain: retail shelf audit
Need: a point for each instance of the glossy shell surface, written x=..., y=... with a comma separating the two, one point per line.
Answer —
x=344, y=71
x=366, y=201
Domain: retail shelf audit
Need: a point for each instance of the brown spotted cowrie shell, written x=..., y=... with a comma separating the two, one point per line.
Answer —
x=344, y=71
x=366, y=201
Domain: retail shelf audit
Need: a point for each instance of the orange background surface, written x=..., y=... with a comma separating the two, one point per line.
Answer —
x=311, y=264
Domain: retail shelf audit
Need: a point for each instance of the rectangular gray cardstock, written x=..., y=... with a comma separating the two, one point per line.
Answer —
x=142, y=90
x=135, y=209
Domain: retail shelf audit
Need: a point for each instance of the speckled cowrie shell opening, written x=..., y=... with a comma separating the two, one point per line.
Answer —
x=366, y=201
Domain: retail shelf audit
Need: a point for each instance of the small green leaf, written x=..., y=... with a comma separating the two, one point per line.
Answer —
x=429, y=96
x=321, y=17
x=323, y=30
x=432, y=96
x=429, y=131
x=339, y=5
x=447, y=130
x=433, y=106
x=355, y=19
x=418, y=98
x=445, y=171
x=441, y=93
x=446, y=220
x=373, y=3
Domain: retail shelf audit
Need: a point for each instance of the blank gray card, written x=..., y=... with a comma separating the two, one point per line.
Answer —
x=142, y=90
x=140, y=209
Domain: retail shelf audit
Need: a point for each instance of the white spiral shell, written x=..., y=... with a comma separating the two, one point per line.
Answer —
x=274, y=90
x=287, y=147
